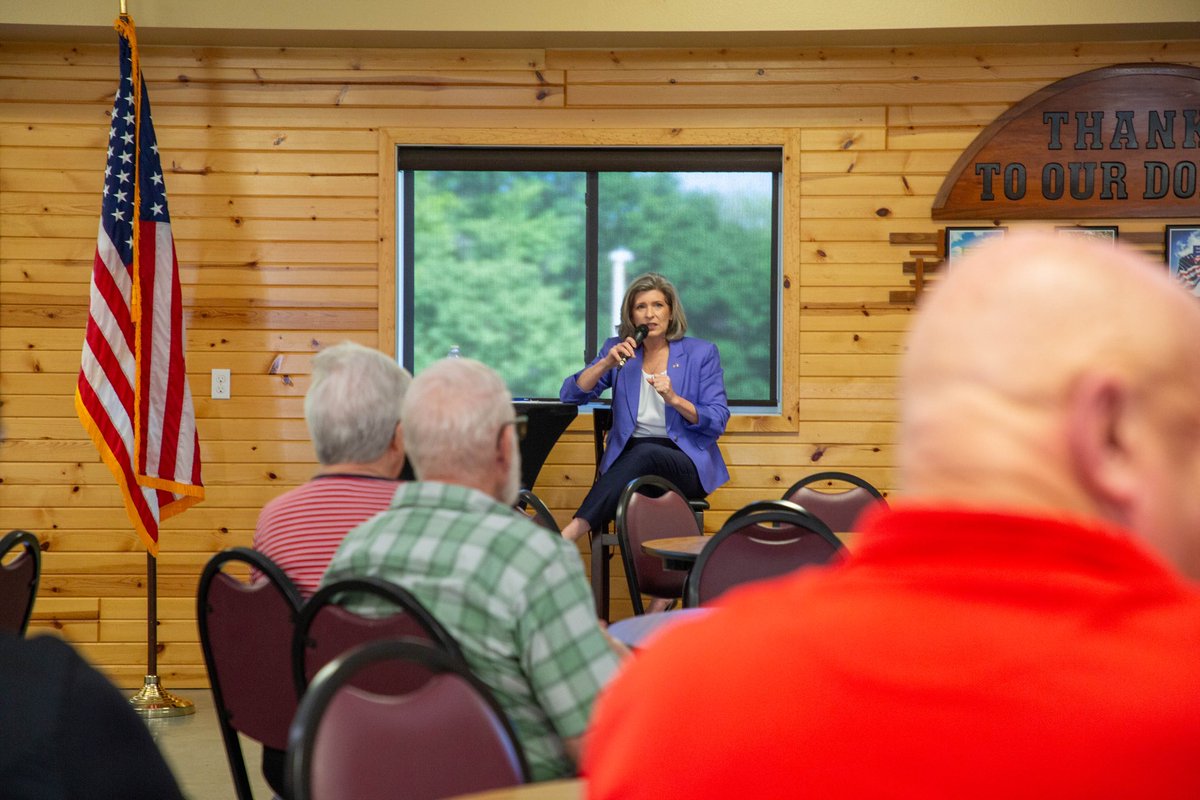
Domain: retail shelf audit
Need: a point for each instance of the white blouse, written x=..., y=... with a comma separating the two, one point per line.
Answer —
x=652, y=410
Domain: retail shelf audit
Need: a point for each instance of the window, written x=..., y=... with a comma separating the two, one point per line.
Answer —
x=520, y=255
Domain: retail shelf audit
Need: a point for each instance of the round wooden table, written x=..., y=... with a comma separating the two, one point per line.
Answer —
x=678, y=553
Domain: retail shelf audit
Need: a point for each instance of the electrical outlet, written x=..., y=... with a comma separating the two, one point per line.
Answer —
x=220, y=384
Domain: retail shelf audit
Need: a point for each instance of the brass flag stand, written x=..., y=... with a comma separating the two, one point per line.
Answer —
x=153, y=701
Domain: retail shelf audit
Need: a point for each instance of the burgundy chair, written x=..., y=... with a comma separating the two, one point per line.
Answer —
x=766, y=540
x=652, y=508
x=601, y=541
x=246, y=629
x=839, y=509
x=325, y=630
x=446, y=738
x=18, y=580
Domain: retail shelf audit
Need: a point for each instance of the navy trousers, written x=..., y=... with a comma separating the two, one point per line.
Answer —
x=641, y=456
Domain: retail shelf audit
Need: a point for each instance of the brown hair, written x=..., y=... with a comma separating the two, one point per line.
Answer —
x=646, y=283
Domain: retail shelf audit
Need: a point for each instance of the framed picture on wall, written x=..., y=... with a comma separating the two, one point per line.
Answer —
x=1182, y=247
x=1107, y=233
x=960, y=240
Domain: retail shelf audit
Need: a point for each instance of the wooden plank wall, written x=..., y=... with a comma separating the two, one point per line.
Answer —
x=272, y=160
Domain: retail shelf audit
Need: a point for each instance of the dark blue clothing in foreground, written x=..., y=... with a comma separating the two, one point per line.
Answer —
x=66, y=732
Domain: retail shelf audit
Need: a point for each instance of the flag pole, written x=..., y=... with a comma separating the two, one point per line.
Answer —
x=154, y=701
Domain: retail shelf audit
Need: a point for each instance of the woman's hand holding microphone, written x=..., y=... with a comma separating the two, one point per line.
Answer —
x=624, y=350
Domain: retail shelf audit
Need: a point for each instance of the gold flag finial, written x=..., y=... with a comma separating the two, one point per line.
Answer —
x=124, y=11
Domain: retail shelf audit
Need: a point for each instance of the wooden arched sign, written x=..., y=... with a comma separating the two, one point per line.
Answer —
x=1121, y=141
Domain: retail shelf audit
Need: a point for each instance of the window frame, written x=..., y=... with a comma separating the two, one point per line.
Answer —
x=787, y=419
x=592, y=162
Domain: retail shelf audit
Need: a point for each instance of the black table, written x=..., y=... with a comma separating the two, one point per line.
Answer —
x=547, y=421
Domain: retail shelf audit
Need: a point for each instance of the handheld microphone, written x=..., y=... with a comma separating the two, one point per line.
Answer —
x=639, y=333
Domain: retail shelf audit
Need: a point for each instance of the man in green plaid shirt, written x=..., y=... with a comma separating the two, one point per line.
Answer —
x=511, y=593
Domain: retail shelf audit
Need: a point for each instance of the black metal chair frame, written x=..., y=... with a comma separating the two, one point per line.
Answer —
x=399, y=597
x=338, y=673
x=601, y=541
x=760, y=506
x=834, y=476
x=622, y=536
x=762, y=512
x=33, y=550
x=283, y=584
x=526, y=499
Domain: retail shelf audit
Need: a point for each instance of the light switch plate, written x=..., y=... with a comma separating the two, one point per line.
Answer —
x=220, y=384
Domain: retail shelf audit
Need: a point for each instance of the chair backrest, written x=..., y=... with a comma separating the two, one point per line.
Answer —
x=756, y=544
x=326, y=630
x=246, y=629
x=532, y=506
x=651, y=507
x=759, y=506
x=18, y=580
x=446, y=738
x=838, y=509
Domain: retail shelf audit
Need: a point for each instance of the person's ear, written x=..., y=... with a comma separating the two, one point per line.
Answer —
x=504, y=444
x=1100, y=442
x=505, y=451
x=398, y=441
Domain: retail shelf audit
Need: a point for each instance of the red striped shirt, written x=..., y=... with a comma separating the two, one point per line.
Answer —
x=301, y=529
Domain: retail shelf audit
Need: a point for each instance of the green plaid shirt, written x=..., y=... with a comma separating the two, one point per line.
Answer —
x=511, y=593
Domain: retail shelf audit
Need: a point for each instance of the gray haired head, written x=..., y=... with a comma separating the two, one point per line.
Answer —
x=353, y=404
x=452, y=420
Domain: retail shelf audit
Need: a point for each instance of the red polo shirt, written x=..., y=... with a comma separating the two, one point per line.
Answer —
x=301, y=529
x=956, y=654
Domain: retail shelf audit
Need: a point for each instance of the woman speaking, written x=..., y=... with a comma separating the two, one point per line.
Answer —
x=668, y=407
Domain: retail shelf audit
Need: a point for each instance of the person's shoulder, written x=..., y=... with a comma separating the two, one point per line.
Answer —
x=523, y=540
x=46, y=664
x=1184, y=604
x=696, y=348
x=37, y=651
x=695, y=344
x=285, y=500
x=540, y=540
x=306, y=494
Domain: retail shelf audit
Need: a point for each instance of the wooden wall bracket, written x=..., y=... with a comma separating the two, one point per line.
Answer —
x=927, y=260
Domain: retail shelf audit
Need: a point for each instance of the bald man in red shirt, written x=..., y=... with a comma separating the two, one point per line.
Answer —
x=1021, y=624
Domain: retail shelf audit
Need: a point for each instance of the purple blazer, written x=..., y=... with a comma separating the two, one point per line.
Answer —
x=694, y=367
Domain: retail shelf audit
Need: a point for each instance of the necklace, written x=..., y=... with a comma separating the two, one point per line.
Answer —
x=656, y=363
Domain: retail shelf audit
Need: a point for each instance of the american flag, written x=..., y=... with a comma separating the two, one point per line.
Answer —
x=132, y=395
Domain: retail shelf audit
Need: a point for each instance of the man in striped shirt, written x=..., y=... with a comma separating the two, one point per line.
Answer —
x=353, y=413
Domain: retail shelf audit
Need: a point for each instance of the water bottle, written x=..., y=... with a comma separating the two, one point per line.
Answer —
x=455, y=352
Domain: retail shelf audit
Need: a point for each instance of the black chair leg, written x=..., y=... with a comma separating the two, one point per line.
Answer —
x=602, y=551
x=698, y=508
